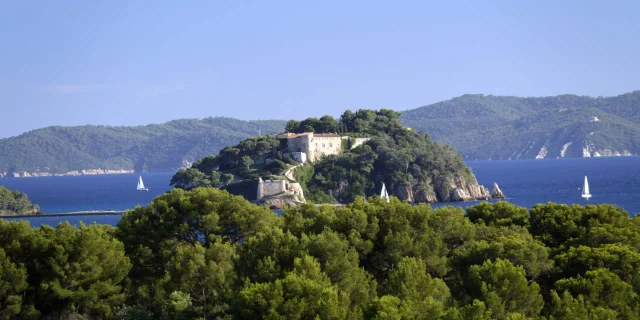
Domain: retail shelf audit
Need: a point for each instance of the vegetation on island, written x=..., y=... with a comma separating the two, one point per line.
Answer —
x=206, y=254
x=499, y=127
x=395, y=155
x=14, y=202
x=158, y=147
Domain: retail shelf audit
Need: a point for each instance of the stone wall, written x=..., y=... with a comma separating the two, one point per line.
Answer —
x=298, y=156
x=358, y=141
x=279, y=189
x=299, y=142
x=268, y=188
x=324, y=145
x=319, y=145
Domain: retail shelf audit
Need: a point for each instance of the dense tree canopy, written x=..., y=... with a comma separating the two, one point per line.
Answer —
x=206, y=254
x=58, y=272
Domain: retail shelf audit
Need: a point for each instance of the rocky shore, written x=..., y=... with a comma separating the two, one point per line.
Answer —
x=442, y=190
x=86, y=172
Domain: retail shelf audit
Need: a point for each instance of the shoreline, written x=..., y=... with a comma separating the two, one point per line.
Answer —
x=96, y=172
x=86, y=172
x=68, y=214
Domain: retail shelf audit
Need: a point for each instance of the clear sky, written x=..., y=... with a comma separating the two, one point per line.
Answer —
x=139, y=62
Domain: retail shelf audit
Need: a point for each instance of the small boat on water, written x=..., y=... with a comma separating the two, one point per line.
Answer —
x=141, y=186
x=384, y=194
x=585, y=189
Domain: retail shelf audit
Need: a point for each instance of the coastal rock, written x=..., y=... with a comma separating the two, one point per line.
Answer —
x=278, y=202
x=421, y=195
x=296, y=190
x=403, y=192
x=497, y=193
x=343, y=187
x=458, y=189
x=21, y=174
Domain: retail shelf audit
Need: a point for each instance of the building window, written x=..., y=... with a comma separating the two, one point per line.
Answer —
x=330, y=145
x=323, y=145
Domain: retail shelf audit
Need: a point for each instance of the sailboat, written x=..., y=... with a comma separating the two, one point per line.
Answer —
x=141, y=185
x=585, y=190
x=384, y=194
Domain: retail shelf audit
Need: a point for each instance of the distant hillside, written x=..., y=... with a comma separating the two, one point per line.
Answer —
x=495, y=127
x=157, y=147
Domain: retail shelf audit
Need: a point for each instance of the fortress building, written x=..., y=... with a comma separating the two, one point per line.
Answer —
x=312, y=146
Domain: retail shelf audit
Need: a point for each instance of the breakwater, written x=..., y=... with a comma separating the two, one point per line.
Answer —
x=67, y=214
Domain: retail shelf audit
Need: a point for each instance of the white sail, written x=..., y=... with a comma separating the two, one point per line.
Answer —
x=585, y=189
x=141, y=185
x=384, y=194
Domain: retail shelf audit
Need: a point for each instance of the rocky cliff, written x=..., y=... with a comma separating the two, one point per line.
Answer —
x=442, y=190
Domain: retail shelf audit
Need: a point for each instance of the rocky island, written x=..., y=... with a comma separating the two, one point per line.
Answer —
x=336, y=161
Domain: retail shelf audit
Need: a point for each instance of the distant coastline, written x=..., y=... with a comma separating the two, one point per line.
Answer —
x=85, y=172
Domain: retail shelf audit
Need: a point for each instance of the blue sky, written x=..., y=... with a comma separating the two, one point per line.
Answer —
x=139, y=62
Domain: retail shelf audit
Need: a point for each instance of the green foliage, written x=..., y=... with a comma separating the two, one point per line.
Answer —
x=398, y=157
x=501, y=213
x=504, y=289
x=602, y=289
x=559, y=225
x=498, y=127
x=159, y=147
x=15, y=202
x=13, y=282
x=206, y=254
x=401, y=158
x=68, y=270
x=180, y=237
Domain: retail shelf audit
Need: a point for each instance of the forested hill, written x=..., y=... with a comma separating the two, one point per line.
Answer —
x=498, y=127
x=409, y=163
x=156, y=147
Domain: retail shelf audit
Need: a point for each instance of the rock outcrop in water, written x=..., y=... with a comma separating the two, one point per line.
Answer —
x=442, y=190
x=497, y=193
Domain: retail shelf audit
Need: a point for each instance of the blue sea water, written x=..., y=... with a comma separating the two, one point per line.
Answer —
x=614, y=180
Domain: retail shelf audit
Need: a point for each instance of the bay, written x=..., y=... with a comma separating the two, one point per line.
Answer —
x=613, y=180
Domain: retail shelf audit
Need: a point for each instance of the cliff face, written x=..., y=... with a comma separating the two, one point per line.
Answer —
x=442, y=190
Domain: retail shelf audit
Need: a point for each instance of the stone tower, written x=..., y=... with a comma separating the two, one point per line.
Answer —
x=260, y=193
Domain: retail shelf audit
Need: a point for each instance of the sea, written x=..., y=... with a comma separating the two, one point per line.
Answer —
x=612, y=180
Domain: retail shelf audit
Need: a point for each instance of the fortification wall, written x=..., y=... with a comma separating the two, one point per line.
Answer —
x=358, y=141
x=323, y=146
x=298, y=156
x=273, y=187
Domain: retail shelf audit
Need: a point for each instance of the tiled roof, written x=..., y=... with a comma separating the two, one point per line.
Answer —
x=327, y=135
x=298, y=135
